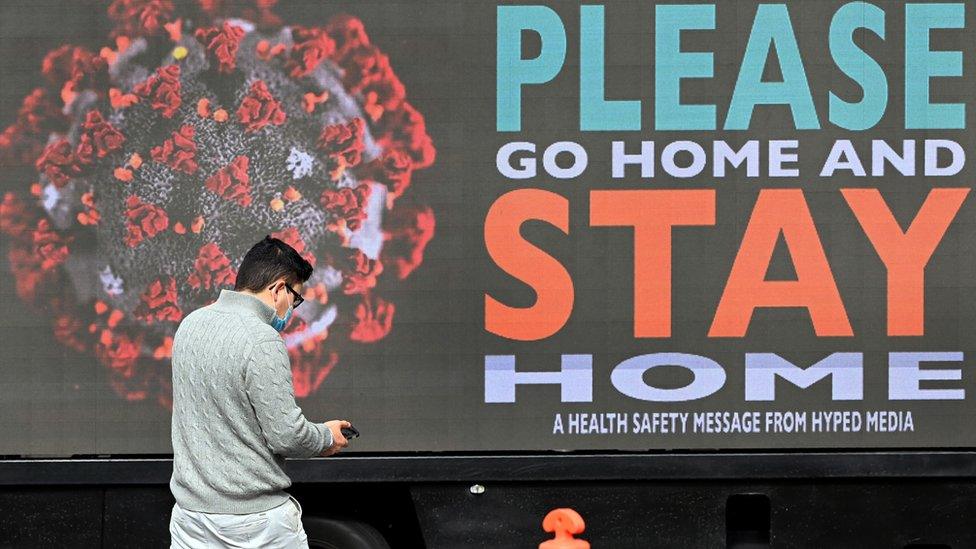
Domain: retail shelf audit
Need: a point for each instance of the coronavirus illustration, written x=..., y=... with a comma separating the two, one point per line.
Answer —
x=150, y=167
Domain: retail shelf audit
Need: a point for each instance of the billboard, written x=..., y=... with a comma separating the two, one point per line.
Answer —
x=552, y=226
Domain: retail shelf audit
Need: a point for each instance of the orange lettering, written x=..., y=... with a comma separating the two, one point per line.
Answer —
x=780, y=210
x=652, y=214
x=516, y=256
x=905, y=254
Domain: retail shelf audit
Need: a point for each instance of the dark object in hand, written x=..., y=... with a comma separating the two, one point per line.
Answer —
x=349, y=432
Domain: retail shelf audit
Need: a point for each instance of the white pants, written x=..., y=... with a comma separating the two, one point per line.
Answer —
x=277, y=528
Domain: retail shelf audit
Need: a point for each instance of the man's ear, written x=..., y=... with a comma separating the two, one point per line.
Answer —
x=271, y=290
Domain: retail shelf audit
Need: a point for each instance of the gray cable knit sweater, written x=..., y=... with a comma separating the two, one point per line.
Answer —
x=235, y=418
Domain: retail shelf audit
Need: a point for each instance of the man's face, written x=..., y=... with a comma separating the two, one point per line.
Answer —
x=284, y=295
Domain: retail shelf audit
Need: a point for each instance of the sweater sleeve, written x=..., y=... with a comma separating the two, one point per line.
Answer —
x=268, y=383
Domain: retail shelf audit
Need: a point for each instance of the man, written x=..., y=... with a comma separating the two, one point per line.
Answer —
x=234, y=413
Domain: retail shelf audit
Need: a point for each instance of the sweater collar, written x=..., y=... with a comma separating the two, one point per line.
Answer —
x=245, y=303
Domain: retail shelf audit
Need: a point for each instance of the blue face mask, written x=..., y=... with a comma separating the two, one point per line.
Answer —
x=279, y=323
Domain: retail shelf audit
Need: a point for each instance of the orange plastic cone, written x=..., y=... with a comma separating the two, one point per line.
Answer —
x=565, y=523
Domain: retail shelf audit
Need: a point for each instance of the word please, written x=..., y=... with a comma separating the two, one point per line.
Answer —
x=772, y=30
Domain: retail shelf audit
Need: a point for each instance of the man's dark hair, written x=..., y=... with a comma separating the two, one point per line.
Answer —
x=269, y=260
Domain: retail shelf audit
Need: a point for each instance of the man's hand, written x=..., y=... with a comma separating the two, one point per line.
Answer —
x=338, y=440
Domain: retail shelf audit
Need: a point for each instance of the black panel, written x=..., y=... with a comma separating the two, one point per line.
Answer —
x=50, y=517
x=137, y=516
x=836, y=514
x=529, y=468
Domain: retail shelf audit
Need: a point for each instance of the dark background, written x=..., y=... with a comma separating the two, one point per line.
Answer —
x=422, y=387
